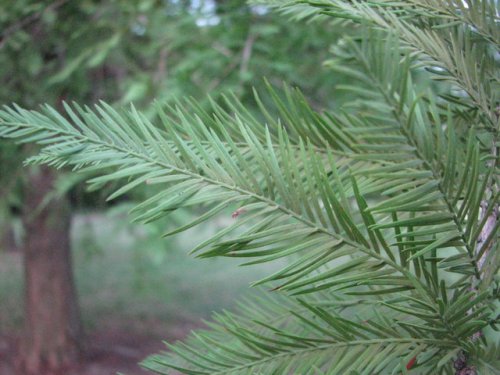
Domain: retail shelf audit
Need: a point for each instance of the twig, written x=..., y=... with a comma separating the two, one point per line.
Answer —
x=242, y=62
x=484, y=242
x=491, y=224
x=247, y=53
x=222, y=49
x=161, y=71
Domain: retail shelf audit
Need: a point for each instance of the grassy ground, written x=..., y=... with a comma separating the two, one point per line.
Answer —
x=134, y=287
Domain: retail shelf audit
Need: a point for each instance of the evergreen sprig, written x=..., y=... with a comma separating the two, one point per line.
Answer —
x=386, y=211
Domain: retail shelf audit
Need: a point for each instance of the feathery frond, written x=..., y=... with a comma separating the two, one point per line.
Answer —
x=385, y=211
x=282, y=335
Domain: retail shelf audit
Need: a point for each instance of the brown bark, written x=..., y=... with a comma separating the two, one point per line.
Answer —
x=52, y=340
x=7, y=238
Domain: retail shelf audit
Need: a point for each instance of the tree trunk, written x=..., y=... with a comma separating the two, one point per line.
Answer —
x=7, y=233
x=7, y=238
x=53, y=336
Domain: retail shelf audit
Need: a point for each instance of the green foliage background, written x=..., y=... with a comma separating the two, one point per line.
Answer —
x=385, y=208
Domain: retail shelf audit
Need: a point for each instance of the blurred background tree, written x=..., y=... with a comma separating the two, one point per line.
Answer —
x=121, y=52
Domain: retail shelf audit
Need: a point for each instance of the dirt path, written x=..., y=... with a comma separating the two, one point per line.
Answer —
x=108, y=351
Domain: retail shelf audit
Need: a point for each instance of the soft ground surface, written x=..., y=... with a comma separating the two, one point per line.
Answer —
x=108, y=351
x=135, y=290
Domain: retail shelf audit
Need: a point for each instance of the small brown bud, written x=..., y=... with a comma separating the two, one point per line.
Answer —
x=238, y=212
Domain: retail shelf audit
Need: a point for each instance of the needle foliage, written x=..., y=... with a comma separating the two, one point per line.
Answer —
x=386, y=211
